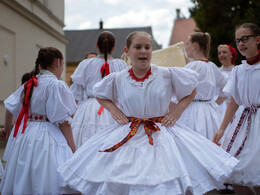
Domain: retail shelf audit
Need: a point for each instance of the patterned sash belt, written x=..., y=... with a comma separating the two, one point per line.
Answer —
x=38, y=118
x=198, y=100
x=149, y=126
x=248, y=111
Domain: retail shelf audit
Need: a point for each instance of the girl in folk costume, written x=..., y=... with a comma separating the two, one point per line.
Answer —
x=90, y=117
x=242, y=137
x=203, y=115
x=144, y=153
x=42, y=136
x=227, y=56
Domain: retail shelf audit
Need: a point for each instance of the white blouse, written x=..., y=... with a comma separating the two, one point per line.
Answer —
x=51, y=97
x=87, y=74
x=244, y=84
x=210, y=78
x=150, y=98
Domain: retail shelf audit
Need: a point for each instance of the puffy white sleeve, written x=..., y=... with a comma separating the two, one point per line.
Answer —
x=13, y=103
x=231, y=88
x=221, y=80
x=79, y=79
x=106, y=88
x=60, y=104
x=78, y=91
x=184, y=81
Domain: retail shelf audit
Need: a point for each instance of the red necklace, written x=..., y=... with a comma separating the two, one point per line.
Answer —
x=203, y=60
x=253, y=60
x=131, y=73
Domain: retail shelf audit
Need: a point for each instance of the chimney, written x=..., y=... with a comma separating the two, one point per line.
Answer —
x=178, y=14
x=100, y=24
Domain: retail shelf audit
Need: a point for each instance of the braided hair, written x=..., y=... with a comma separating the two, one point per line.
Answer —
x=105, y=43
x=45, y=59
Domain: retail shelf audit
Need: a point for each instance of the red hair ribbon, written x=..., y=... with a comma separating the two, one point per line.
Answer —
x=105, y=69
x=233, y=53
x=149, y=127
x=25, y=109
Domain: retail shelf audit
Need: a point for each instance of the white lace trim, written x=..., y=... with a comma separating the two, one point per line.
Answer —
x=246, y=179
x=154, y=71
x=68, y=118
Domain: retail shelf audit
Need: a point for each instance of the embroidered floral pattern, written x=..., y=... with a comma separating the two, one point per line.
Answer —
x=248, y=111
x=149, y=126
x=39, y=118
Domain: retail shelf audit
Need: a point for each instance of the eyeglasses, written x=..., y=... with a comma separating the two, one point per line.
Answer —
x=244, y=39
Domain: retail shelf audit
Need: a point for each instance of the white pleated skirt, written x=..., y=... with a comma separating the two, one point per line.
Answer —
x=87, y=122
x=180, y=161
x=247, y=172
x=32, y=159
x=202, y=117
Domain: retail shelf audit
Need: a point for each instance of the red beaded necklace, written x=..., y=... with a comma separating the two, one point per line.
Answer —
x=253, y=60
x=131, y=73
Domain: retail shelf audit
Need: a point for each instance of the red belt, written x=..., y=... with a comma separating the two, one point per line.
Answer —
x=149, y=126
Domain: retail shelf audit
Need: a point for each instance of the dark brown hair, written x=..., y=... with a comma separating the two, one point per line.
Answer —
x=254, y=28
x=45, y=59
x=106, y=42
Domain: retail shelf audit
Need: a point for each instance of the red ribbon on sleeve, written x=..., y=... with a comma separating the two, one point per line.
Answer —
x=25, y=109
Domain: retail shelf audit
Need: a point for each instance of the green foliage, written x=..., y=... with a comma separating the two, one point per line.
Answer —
x=221, y=17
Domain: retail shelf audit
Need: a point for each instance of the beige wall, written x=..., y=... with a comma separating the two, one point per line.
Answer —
x=26, y=26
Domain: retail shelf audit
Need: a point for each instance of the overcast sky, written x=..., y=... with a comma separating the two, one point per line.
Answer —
x=160, y=14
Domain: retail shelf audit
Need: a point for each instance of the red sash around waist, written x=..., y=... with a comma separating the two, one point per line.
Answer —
x=149, y=127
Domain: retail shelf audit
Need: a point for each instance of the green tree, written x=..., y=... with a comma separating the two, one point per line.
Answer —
x=221, y=17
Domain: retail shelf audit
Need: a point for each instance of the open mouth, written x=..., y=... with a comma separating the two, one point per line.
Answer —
x=142, y=58
x=242, y=49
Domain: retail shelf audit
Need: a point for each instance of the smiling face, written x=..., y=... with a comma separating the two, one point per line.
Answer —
x=224, y=55
x=248, y=49
x=140, y=52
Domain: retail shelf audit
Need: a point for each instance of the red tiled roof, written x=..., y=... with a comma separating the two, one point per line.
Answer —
x=181, y=29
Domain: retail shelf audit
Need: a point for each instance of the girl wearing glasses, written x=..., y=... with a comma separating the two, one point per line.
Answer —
x=242, y=139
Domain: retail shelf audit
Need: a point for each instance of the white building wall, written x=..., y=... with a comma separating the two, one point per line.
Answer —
x=26, y=26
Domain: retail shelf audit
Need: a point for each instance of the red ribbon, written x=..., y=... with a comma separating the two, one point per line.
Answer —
x=25, y=109
x=105, y=69
x=149, y=127
x=233, y=53
x=100, y=110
